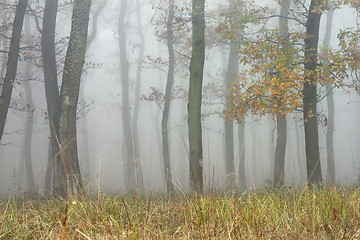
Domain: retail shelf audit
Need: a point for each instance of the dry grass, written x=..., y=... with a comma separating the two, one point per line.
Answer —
x=271, y=214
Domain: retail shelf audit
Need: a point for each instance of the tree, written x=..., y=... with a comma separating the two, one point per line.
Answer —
x=69, y=95
x=279, y=162
x=137, y=93
x=313, y=165
x=12, y=62
x=29, y=125
x=54, y=168
x=195, y=94
x=167, y=98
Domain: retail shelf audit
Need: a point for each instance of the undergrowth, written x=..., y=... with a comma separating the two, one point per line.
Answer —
x=327, y=213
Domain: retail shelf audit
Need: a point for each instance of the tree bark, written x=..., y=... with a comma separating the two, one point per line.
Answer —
x=54, y=167
x=69, y=95
x=195, y=95
x=310, y=96
x=12, y=63
x=279, y=163
x=242, y=171
x=167, y=99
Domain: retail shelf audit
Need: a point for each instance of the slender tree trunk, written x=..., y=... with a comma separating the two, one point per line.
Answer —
x=29, y=125
x=310, y=96
x=279, y=164
x=330, y=175
x=69, y=95
x=195, y=94
x=233, y=69
x=281, y=138
x=168, y=89
x=140, y=179
x=12, y=62
x=242, y=171
x=131, y=171
x=54, y=167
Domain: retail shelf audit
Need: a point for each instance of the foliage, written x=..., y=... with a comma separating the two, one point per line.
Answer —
x=273, y=67
x=279, y=214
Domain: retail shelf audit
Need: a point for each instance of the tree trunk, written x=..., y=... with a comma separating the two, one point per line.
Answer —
x=279, y=164
x=310, y=96
x=330, y=174
x=242, y=171
x=195, y=94
x=281, y=138
x=140, y=179
x=54, y=167
x=29, y=125
x=167, y=99
x=69, y=95
x=233, y=68
x=12, y=63
x=131, y=171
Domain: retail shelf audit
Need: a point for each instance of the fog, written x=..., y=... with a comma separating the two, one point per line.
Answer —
x=100, y=113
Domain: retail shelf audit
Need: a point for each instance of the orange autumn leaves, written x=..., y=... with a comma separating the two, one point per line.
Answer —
x=272, y=76
x=273, y=72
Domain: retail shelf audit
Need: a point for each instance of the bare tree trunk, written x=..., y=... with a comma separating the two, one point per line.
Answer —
x=54, y=167
x=167, y=98
x=131, y=171
x=330, y=175
x=310, y=96
x=279, y=164
x=242, y=172
x=195, y=94
x=69, y=95
x=29, y=125
x=12, y=63
x=140, y=179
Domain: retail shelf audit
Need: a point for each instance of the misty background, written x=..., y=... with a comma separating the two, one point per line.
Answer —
x=101, y=142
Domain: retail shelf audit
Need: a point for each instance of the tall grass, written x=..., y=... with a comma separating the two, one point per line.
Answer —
x=270, y=214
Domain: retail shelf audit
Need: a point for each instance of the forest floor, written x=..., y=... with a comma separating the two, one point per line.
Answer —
x=328, y=213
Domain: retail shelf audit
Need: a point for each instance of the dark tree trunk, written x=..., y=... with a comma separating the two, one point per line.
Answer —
x=310, y=96
x=195, y=94
x=330, y=174
x=12, y=62
x=54, y=167
x=70, y=93
x=131, y=170
x=168, y=89
x=281, y=138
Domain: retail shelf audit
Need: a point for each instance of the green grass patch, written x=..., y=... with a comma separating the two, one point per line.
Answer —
x=326, y=213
